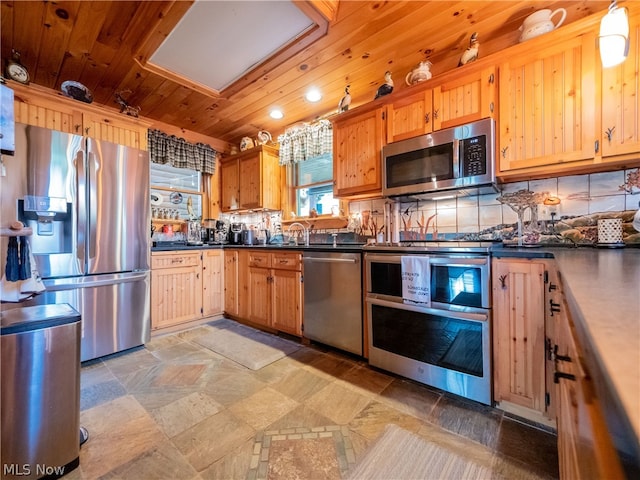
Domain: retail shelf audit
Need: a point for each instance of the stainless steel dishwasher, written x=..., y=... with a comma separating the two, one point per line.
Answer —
x=333, y=299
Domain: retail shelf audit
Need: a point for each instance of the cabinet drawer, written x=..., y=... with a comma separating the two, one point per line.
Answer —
x=286, y=261
x=260, y=259
x=175, y=260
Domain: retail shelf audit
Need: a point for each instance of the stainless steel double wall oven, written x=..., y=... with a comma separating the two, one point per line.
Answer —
x=446, y=343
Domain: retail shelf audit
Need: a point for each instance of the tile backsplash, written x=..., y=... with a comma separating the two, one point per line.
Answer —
x=596, y=195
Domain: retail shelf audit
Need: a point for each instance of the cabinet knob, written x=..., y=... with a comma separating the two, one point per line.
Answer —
x=553, y=308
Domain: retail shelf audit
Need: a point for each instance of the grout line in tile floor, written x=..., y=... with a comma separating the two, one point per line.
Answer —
x=175, y=409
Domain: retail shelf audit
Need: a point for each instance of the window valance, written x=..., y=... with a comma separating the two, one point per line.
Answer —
x=302, y=143
x=177, y=152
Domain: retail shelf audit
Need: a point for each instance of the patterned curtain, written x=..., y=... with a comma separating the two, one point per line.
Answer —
x=179, y=153
x=299, y=144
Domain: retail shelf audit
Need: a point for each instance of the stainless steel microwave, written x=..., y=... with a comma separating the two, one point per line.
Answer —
x=449, y=159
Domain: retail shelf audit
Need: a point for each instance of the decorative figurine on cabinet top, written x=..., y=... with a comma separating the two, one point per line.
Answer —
x=419, y=74
x=471, y=53
x=345, y=101
x=246, y=143
x=387, y=87
x=264, y=137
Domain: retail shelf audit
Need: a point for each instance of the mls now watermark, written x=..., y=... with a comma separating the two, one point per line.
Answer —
x=26, y=469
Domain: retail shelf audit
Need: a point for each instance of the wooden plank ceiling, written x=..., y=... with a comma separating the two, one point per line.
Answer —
x=96, y=42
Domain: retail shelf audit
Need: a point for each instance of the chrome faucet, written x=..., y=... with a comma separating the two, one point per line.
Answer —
x=305, y=232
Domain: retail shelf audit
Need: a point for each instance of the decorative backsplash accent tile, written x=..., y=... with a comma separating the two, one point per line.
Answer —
x=583, y=200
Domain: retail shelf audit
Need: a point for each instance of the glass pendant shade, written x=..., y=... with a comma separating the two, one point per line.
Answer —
x=614, y=36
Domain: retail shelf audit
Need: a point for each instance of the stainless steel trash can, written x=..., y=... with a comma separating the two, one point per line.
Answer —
x=40, y=391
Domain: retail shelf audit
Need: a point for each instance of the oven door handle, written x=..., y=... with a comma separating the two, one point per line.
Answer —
x=458, y=262
x=474, y=317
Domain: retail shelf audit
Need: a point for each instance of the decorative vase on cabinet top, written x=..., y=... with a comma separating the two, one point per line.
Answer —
x=540, y=22
x=419, y=74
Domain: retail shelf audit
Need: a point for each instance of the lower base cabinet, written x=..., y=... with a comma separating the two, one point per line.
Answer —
x=265, y=288
x=185, y=286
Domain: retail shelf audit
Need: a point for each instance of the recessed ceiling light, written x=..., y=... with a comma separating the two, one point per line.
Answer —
x=313, y=95
x=276, y=113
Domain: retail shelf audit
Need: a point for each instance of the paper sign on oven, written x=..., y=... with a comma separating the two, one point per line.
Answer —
x=416, y=279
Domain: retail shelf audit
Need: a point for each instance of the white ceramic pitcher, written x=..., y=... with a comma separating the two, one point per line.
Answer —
x=540, y=22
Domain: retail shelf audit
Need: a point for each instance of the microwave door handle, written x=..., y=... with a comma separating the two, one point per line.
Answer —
x=456, y=158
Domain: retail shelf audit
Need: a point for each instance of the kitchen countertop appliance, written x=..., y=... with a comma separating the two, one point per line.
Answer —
x=90, y=237
x=333, y=299
x=194, y=233
x=235, y=234
x=441, y=337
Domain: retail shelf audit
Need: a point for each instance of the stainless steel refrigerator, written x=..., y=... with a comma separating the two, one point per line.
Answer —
x=87, y=202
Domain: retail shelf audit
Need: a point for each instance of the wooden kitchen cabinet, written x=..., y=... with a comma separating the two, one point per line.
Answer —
x=464, y=98
x=251, y=180
x=410, y=116
x=275, y=283
x=547, y=106
x=236, y=287
x=585, y=446
x=519, y=381
x=36, y=106
x=358, y=138
x=620, y=107
x=212, y=282
x=176, y=288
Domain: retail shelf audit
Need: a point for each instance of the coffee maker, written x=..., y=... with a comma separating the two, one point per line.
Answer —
x=235, y=234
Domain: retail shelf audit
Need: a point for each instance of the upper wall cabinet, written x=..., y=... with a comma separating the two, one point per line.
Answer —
x=34, y=106
x=251, y=180
x=621, y=100
x=464, y=98
x=452, y=101
x=547, y=107
x=357, y=142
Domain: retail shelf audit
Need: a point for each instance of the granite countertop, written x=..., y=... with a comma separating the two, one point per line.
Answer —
x=345, y=247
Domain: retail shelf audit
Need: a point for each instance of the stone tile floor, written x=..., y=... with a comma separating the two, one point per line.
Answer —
x=176, y=410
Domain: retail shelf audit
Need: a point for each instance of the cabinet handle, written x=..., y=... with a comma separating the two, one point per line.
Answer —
x=77, y=127
x=426, y=117
x=86, y=130
x=383, y=115
x=492, y=78
x=491, y=107
x=597, y=146
x=552, y=286
x=504, y=152
x=609, y=133
x=558, y=375
x=553, y=308
x=435, y=114
x=560, y=358
x=503, y=281
x=284, y=261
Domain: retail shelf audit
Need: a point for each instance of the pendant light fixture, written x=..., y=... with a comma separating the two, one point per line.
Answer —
x=614, y=36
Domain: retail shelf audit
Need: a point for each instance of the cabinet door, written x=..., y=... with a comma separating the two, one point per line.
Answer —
x=212, y=282
x=518, y=333
x=231, y=282
x=229, y=186
x=547, y=107
x=286, y=298
x=357, y=145
x=120, y=130
x=409, y=117
x=250, y=182
x=176, y=292
x=464, y=99
x=260, y=299
x=620, y=101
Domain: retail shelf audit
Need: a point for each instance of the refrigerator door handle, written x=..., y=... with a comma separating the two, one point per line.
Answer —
x=81, y=208
x=93, y=202
x=94, y=280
